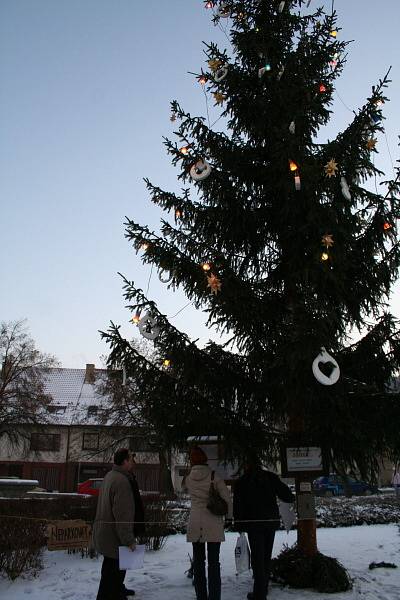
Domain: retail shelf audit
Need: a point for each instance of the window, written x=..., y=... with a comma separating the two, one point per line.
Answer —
x=90, y=441
x=55, y=409
x=92, y=411
x=140, y=444
x=49, y=442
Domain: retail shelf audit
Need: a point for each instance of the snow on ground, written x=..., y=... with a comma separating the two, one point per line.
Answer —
x=69, y=577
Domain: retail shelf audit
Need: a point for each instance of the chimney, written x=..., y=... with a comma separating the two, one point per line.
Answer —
x=90, y=375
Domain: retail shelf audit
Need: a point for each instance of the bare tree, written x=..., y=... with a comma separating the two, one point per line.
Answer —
x=129, y=407
x=22, y=397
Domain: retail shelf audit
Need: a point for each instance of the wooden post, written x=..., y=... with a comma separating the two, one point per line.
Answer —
x=307, y=528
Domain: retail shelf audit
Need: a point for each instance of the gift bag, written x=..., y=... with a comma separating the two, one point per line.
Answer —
x=242, y=554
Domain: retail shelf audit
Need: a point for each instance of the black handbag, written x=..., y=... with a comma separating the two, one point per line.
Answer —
x=216, y=505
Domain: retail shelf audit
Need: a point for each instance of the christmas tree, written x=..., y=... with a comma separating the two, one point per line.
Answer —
x=282, y=240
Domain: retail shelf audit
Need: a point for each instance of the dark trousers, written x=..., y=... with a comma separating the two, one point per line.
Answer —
x=261, y=543
x=112, y=580
x=214, y=571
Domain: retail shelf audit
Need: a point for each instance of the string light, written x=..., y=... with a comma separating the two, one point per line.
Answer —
x=202, y=79
x=184, y=149
x=322, y=88
x=333, y=33
x=144, y=246
x=293, y=166
x=206, y=266
x=387, y=226
x=324, y=256
x=166, y=362
x=178, y=213
x=136, y=319
x=209, y=4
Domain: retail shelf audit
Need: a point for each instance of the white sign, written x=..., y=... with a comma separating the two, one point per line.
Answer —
x=305, y=486
x=304, y=459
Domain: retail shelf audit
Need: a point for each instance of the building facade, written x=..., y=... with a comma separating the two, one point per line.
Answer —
x=75, y=444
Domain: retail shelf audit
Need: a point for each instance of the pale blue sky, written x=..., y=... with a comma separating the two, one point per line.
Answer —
x=85, y=87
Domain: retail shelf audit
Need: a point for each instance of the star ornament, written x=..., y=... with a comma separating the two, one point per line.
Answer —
x=214, y=284
x=371, y=143
x=327, y=240
x=331, y=168
x=214, y=64
x=219, y=98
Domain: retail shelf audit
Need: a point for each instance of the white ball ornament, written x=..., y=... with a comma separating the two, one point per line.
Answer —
x=148, y=327
x=345, y=189
x=200, y=170
x=323, y=357
x=220, y=73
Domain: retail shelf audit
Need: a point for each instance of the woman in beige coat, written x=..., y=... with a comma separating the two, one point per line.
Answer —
x=205, y=527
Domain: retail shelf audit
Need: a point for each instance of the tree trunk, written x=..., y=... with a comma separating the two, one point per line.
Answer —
x=307, y=528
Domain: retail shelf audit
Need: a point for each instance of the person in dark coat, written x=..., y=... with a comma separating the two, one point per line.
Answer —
x=113, y=525
x=255, y=510
x=138, y=525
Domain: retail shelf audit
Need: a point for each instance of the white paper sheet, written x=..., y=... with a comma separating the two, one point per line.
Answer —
x=129, y=559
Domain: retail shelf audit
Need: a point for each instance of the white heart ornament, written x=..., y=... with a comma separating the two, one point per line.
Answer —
x=324, y=357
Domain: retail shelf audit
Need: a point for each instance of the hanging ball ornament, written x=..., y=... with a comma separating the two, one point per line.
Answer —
x=220, y=73
x=200, y=170
x=344, y=186
x=148, y=327
x=324, y=358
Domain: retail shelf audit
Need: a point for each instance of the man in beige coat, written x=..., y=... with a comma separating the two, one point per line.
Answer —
x=205, y=527
x=113, y=525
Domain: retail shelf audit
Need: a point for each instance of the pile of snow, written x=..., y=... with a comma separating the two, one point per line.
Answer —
x=69, y=577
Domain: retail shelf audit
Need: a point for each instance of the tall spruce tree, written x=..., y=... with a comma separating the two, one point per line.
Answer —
x=286, y=245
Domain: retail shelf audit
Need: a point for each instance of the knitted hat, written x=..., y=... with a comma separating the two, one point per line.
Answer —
x=198, y=456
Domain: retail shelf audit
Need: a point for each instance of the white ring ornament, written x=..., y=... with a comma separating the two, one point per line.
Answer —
x=324, y=357
x=345, y=189
x=148, y=327
x=200, y=170
x=166, y=279
x=220, y=73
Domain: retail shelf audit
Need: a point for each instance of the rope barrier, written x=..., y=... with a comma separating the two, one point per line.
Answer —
x=45, y=520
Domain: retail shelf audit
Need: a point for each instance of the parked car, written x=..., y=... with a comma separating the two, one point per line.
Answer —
x=91, y=487
x=335, y=485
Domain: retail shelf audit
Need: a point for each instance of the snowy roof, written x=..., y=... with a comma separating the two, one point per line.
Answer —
x=75, y=402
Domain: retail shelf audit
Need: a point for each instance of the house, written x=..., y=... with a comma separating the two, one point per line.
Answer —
x=75, y=444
